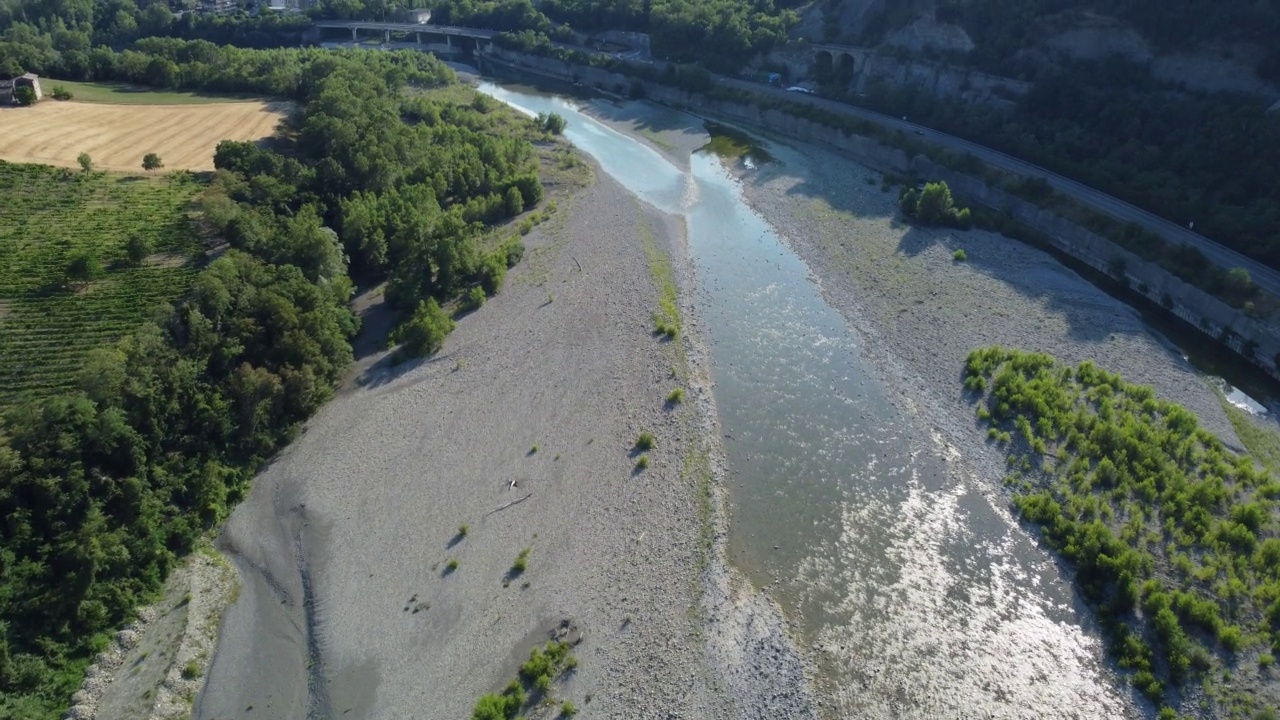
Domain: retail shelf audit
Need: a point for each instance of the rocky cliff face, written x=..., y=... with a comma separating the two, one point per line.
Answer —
x=1043, y=44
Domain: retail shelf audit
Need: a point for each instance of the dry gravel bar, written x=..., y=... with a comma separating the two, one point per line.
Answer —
x=349, y=609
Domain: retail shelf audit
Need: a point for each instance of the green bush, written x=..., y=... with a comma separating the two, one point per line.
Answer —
x=1127, y=467
x=935, y=206
x=493, y=271
x=424, y=333
x=512, y=251
x=513, y=202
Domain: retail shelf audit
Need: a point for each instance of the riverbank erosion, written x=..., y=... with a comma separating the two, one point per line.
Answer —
x=379, y=552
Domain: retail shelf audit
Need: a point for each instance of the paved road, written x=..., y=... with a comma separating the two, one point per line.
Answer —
x=1266, y=277
x=406, y=27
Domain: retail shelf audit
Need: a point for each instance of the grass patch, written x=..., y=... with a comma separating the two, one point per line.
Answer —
x=50, y=217
x=1262, y=442
x=544, y=666
x=666, y=320
x=733, y=144
x=125, y=94
x=697, y=471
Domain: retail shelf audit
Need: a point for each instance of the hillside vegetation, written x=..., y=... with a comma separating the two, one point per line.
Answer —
x=1170, y=536
x=104, y=485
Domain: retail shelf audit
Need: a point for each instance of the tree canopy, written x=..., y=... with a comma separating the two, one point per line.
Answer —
x=105, y=487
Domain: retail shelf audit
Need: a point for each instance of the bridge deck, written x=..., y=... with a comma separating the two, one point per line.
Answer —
x=405, y=27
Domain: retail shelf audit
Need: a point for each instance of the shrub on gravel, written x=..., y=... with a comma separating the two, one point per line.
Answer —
x=424, y=333
x=1118, y=465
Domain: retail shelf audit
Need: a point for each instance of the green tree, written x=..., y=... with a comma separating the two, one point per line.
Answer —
x=424, y=332
x=84, y=267
x=936, y=206
x=86, y=162
x=151, y=161
x=513, y=202
x=136, y=249
x=1240, y=284
x=553, y=124
x=909, y=202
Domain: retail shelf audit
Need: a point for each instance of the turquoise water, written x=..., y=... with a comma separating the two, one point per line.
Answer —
x=913, y=594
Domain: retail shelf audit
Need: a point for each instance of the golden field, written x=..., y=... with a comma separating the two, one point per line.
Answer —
x=117, y=136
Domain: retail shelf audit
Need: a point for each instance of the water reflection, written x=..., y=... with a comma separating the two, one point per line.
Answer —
x=918, y=597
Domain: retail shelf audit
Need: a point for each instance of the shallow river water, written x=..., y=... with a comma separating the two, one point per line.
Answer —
x=914, y=596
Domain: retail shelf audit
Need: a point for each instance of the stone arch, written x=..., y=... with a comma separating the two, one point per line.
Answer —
x=823, y=61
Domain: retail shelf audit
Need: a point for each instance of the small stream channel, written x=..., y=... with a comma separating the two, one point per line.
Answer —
x=913, y=594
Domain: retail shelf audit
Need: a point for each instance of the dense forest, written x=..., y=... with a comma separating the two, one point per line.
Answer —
x=1171, y=537
x=723, y=34
x=103, y=488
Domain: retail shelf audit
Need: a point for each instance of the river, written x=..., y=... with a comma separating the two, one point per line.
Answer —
x=914, y=595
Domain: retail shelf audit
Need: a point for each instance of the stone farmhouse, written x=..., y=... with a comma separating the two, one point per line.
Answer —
x=8, y=88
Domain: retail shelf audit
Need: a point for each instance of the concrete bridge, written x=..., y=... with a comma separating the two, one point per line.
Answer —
x=459, y=38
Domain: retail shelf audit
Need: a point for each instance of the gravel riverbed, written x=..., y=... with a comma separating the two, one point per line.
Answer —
x=349, y=607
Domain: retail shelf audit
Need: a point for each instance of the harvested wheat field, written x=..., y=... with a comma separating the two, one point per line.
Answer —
x=117, y=136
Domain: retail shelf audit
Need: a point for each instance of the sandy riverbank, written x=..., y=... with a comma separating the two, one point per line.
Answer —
x=348, y=610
